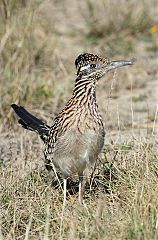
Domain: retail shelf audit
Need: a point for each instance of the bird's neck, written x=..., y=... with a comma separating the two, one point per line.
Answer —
x=85, y=92
x=82, y=106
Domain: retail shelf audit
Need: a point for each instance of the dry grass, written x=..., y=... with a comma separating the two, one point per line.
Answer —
x=39, y=41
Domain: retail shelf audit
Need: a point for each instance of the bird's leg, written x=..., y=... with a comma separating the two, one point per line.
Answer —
x=64, y=191
x=81, y=188
x=92, y=175
x=63, y=208
x=56, y=175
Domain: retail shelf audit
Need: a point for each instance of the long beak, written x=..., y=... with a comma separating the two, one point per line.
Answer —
x=120, y=63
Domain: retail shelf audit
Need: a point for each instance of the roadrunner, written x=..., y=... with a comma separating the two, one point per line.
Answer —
x=74, y=141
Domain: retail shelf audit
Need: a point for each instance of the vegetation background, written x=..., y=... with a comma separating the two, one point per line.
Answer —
x=39, y=41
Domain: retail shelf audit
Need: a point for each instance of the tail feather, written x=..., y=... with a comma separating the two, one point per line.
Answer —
x=30, y=122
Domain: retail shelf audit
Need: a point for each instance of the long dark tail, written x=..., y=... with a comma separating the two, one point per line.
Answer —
x=28, y=121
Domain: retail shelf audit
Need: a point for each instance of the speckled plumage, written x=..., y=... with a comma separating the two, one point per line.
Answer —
x=76, y=137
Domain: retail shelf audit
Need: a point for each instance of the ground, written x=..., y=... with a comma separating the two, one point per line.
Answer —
x=39, y=43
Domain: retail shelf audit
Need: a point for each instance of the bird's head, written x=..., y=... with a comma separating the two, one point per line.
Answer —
x=94, y=66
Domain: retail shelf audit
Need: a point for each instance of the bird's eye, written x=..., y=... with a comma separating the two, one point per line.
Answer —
x=93, y=65
x=85, y=67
